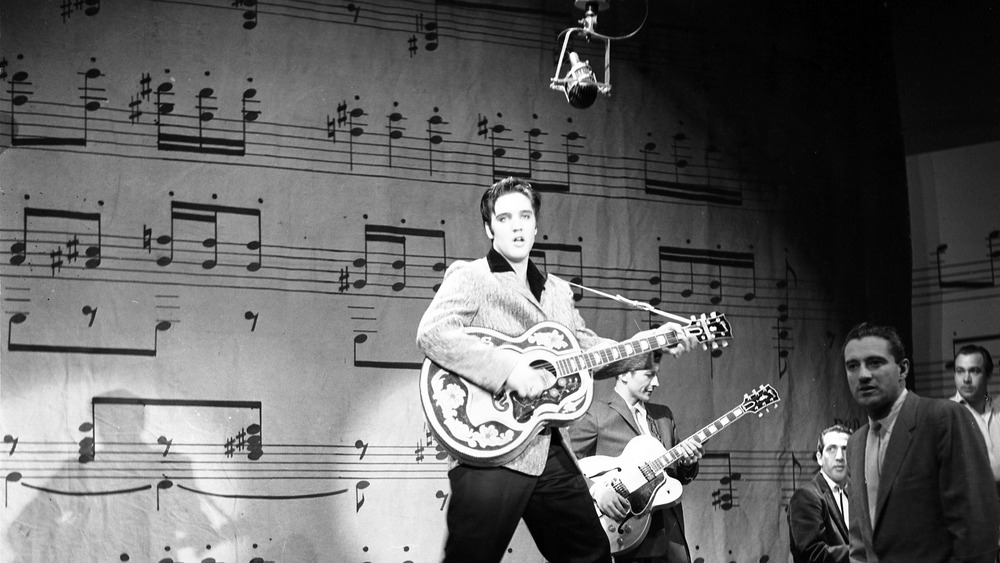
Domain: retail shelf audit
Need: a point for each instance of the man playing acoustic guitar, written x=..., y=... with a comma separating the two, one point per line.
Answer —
x=542, y=484
x=612, y=421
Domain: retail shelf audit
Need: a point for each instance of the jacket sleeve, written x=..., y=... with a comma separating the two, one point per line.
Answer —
x=441, y=335
x=968, y=492
x=583, y=435
x=807, y=528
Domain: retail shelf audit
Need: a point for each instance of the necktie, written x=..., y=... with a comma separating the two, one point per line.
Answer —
x=842, y=504
x=873, y=466
x=640, y=420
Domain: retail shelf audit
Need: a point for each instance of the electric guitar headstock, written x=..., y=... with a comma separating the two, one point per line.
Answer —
x=709, y=330
x=760, y=399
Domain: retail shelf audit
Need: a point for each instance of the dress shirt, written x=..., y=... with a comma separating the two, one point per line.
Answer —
x=879, y=433
x=841, y=495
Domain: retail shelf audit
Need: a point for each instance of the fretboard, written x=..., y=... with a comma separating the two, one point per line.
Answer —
x=603, y=356
x=652, y=468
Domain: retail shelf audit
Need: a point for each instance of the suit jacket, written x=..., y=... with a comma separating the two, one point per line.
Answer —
x=486, y=293
x=605, y=429
x=817, y=530
x=936, y=496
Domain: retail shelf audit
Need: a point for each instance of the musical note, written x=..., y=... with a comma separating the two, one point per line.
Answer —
x=434, y=138
x=795, y=465
x=969, y=283
x=363, y=446
x=163, y=485
x=716, y=259
x=361, y=339
x=539, y=253
x=250, y=15
x=359, y=497
x=67, y=6
x=12, y=440
x=50, y=220
x=395, y=236
x=247, y=439
x=444, y=498
x=395, y=130
x=88, y=448
x=727, y=500
x=163, y=441
x=19, y=318
x=205, y=112
x=20, y=95
x=783, y=312
x=346, y=118
x=199, y=213
x=678, y=189
x=429, y=30
x=12, y=477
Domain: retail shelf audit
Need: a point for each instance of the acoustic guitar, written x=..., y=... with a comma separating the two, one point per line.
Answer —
x=488, y=429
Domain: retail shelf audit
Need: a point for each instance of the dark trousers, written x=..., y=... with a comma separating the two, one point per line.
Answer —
x=487, y=503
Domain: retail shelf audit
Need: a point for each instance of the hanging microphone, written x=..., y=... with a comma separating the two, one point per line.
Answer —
x=580, y=85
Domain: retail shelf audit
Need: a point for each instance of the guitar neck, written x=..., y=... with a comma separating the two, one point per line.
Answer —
x=701, y=436
x=603, y=356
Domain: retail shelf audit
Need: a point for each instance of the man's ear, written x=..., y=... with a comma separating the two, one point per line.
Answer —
x=904, y=367
x=489, y=231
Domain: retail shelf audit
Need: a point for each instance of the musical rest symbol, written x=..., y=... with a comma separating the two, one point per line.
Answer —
x=163, y=441
x=92, y=312
x=251, y=316
x=443, y=496
x=363, y=446
x=355, y=9
x=12, y=440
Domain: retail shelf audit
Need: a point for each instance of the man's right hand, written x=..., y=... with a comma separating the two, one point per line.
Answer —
x=610, y=502
x=529, y=382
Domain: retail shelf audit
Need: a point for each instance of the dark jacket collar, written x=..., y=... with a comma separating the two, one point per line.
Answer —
x=536, y=279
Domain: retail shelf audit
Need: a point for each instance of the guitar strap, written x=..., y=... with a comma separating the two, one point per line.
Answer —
x=637, y=304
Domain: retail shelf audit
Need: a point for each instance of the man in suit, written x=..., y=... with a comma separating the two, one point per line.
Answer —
x=818, y=511
x=506, y=292
x=922, y=488
x=973, y=368
x=612, y=421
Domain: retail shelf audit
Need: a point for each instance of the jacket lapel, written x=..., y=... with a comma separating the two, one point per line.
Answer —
x=899, y=443
x=834, y=503
x=619, y=406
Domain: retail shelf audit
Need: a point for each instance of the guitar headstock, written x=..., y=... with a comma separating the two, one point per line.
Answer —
x=760, y=398
x=712, y=329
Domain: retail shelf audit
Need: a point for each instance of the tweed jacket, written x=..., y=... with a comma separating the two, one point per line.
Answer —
x=816, y=528
x=605, y=429
x=487, y=293
x=936, y=497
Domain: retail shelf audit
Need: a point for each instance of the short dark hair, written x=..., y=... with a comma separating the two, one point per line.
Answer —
x=634, y=363
x=970, y=349
x=835, y=428
x=506, y=186
x=885, y=332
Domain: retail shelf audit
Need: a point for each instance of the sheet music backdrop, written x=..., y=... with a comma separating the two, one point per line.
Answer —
x=223, y=220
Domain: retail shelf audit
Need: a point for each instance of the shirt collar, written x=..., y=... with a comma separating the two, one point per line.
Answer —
x=957, y=397
x=536, y=279
x=833, y=484
x=890, y=419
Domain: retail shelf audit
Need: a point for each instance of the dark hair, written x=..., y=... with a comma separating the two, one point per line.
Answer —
x=635, y=363
x=835, y=428
x=970, y=349
x=510, y=185
x=885, y=332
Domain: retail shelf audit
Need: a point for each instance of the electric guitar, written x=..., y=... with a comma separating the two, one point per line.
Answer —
x=487, y=429
x=639, y=473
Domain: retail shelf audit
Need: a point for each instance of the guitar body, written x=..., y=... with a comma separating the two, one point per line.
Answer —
x=644, y=491
x=484, y=429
